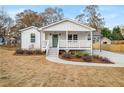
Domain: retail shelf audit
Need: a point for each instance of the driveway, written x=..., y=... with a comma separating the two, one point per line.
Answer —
x=117, y=58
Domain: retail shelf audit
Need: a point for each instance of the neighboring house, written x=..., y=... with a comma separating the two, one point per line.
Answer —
x=122, y=30
x=105, y=40
x=1, y=41
x=96, y=36
x=63, y=35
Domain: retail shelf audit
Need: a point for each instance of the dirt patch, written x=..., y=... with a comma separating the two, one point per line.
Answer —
x=21, y=71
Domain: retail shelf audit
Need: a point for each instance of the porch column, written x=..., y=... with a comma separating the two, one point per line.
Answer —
x=91, y=35
x=66, y=39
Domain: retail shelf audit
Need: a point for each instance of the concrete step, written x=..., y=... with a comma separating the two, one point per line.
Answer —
x=52, y=52
x=52, y=56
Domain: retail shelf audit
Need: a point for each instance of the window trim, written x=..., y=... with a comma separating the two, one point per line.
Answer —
x=69, y=37
x=72, y=36
x=32, y=39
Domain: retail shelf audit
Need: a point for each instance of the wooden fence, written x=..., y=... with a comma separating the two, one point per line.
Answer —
x=110, y=47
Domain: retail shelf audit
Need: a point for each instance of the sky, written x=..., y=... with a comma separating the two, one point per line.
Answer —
x=112, y=14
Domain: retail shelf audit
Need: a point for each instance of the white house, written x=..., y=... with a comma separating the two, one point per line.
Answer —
x=63, y=35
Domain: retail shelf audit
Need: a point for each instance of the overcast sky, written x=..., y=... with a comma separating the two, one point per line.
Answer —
x=113, y=14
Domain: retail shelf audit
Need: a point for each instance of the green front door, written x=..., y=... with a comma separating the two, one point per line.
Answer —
x=55, y=40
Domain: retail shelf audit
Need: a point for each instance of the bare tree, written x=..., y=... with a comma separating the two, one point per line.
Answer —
x=5, y=23
x=92, y=17
x=51, y=15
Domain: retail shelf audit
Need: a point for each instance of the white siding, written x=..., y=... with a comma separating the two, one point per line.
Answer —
x=66, y=26
x=26, y=39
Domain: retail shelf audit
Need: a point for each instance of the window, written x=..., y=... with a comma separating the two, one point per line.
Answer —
x=70, y=37
x=75, y=37
x=32, y=37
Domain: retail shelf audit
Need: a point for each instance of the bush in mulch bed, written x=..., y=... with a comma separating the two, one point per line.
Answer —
x=96, y=56
x=102, y=59
x=19, y=51
x=105, y=60
x=80, y=54
x=61, y=52
x=28, y=52
x=67, y=55
x=87, y=58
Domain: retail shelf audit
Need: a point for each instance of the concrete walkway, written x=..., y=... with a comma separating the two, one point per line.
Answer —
x=118, y=59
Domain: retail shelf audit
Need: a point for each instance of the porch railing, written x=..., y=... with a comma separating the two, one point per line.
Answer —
x=74, y=43
x=45, y=45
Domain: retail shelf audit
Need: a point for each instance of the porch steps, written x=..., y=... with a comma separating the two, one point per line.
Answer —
x=52, y=52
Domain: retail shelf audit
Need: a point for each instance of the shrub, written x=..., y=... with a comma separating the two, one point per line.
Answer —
x=80, y=54
x=19, y=51
x=96, y=56
x=72, y=52
x=105, y=60
x=61, y=52
x=38, y=52
x=66, y=55
x=85, y=54
x=28, y=52
x=87, y=58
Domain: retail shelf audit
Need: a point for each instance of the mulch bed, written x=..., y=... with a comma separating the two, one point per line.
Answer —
x=81, y=60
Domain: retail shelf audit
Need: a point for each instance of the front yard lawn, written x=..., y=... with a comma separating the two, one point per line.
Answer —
x=35, y=70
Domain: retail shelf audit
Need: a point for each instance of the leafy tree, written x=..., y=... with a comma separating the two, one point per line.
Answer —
x=92, y=17
x=28, y=18
x=31, y=18
x=116, y=34
x=51, y=15
x=106, y=32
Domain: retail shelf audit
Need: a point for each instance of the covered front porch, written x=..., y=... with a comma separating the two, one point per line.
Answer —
x=67, y=40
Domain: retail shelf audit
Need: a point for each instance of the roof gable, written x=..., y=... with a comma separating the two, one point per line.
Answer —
x=31, y=27
x=67, y=25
